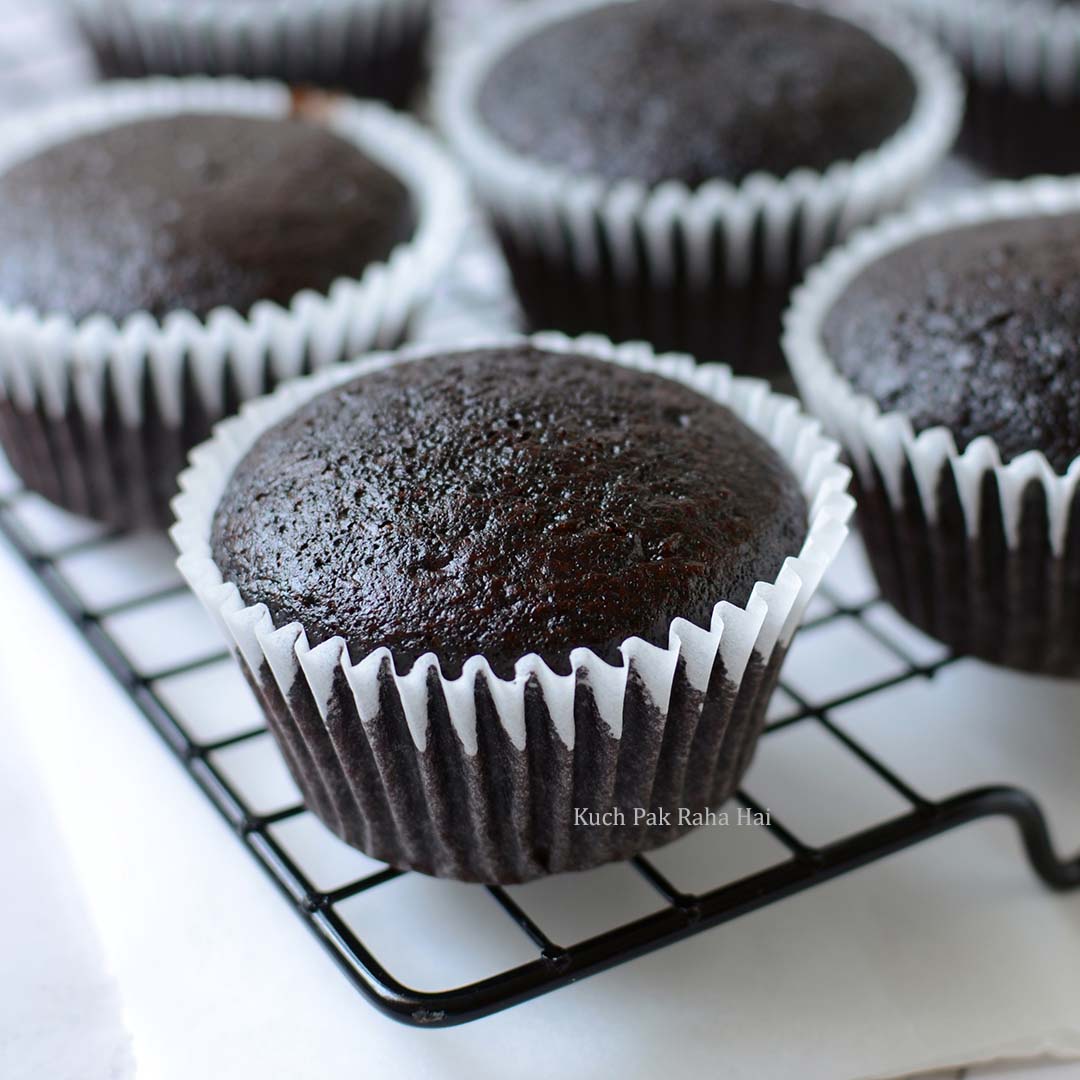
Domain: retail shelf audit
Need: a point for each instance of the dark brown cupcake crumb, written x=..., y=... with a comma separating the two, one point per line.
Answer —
x=697, y=89
x=502, y=502
x=976, y=329
x=193, y=212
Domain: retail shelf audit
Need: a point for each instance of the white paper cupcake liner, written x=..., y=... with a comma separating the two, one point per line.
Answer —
x=495, y=768
x=984, y=555
x=144, y=382
x=1021, y=59
x=705, y=269
x=374, y=48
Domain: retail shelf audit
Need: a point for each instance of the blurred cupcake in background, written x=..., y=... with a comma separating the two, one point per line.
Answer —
x=943, y=349
x=169, y=248
x=664, y=169
x=1021, y=60
x=370, y=48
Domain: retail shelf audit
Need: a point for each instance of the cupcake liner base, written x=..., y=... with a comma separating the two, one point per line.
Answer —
x=1014, y=135
x=1016, y=606
x=552, y=810
x=118, y=475
x=737, y=324
x=371, y=50
x=122, y=474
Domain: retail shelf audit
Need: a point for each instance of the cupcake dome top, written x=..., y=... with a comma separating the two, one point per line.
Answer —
x=501, y=502
x=693, y=90
x=193, y=211
x=977, y=329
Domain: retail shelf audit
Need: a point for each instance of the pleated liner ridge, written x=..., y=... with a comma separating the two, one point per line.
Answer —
x=480, y=778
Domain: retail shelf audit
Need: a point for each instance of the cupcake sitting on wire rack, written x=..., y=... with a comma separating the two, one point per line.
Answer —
x=483, y=594
x=940, y=347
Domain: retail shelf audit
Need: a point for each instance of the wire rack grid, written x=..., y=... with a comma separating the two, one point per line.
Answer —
x=123, y=594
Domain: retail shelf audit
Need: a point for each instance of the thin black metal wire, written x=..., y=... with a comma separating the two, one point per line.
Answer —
x=555, y=965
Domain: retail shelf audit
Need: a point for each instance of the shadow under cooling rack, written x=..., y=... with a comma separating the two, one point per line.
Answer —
x=123, y=593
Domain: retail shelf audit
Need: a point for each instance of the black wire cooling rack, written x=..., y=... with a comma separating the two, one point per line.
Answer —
x=42, y=59
x=110, y=624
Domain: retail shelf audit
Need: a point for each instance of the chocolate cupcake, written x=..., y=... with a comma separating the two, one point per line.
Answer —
x=941, y=348
x=171, y=248
x=370, y=48
x=1020, y=59
x=663, y=169
x=478, y=592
